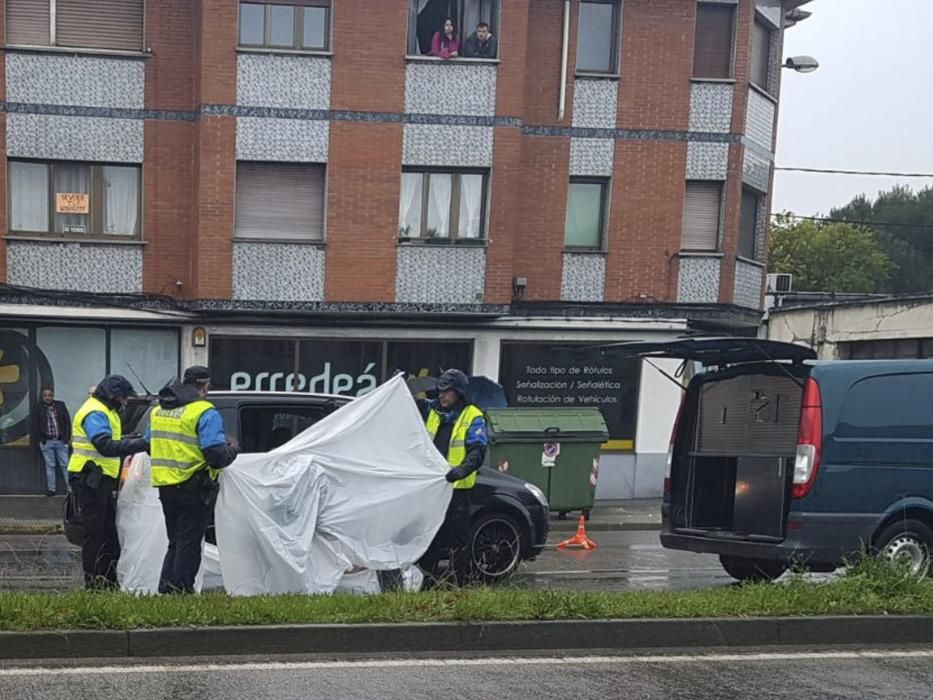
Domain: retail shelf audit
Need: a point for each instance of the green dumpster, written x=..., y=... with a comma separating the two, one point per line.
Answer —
x=556, y=449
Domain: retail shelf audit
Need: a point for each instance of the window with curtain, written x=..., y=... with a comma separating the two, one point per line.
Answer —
x=702, y=204
x=586, y=213
x=442, y=206
x=425, y=17
x=762, y=37
x=91, y=24
x=74, y=199
x=712, y=48
x=289, y=24
x=280, y=201
x=598, y=36
x=748, y=224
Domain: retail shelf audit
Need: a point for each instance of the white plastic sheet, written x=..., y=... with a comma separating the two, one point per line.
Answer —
x=362, y=490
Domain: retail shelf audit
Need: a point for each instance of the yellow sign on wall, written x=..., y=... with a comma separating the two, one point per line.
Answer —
x=72, y=203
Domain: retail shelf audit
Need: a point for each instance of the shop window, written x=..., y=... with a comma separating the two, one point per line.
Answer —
x=78, y=360
x=702, y=205
x=144, y=356
x=91, y=24
x=440, y=206
x=74, y=199
x=586, y=213
x=427, y=17
x=280, y=201
x=293, y=24
x=752, y=203
x=420, y=359
x=762, y=39
x=598, y=36
x=712, y=48
x=18, y=361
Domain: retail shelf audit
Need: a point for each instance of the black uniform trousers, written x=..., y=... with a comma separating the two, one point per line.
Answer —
x=187, y=518
x=100, y=546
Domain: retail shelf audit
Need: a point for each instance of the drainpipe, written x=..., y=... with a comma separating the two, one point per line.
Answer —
x=565, y=49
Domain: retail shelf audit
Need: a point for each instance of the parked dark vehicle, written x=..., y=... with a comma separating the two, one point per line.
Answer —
x=777, y=459
x=509, y=516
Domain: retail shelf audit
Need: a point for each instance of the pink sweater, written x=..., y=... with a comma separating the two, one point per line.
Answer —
x=444, y=48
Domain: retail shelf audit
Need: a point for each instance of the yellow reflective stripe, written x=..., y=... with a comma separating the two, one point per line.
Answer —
x=92, y=454
x=458, y=443
x=171, y=463
x=176, y=436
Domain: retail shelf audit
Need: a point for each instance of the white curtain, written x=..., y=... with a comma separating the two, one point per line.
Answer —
x=29, y=197
x=439, y=187
x=471, y=206
x=121, y=200
x=409, y=205
x=72, y=179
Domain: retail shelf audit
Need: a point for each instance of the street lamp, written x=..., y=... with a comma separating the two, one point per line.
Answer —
x=802, y=64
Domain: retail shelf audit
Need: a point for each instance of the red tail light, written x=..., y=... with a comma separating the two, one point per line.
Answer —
x=809, y=439
x=670, y=448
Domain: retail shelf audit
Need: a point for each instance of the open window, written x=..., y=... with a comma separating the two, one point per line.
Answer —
x=427, y=17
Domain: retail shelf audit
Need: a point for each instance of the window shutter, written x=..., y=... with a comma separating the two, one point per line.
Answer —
x=761, y=55
x=701, y=216
x=100, y=24
x=712, y=49
x=280, y=200
x=27, y=22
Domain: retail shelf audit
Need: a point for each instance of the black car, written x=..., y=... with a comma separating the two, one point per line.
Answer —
x=509, y=516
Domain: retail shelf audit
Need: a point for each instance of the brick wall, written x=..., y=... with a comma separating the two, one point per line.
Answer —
x=506, y=221
x=543, y=57
x=513, y=54
x=172, y=37
x=363, y=184
x=217, y=42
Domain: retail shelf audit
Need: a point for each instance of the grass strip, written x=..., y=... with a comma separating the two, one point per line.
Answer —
x=868, y=588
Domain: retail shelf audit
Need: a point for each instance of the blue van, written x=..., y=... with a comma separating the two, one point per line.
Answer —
x=778, y=459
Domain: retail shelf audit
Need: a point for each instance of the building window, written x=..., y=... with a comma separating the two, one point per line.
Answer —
x=295, y=24
x=442, y=206
x=761, y=56
x=74, y=199
x=702, y=205
x=426, y=18
x=748, y=226
x=276, y=201
x=586, y=213
x=598, y=36
x=712, y=48
x=91, y=24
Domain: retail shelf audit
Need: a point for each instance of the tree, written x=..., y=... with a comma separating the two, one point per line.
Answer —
x=902, y=221
x=830, y=257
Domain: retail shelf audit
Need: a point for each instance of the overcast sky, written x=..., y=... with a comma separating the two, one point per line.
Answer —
x=868, y=107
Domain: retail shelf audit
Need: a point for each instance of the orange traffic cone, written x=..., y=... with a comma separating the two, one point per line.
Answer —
x=579, y=540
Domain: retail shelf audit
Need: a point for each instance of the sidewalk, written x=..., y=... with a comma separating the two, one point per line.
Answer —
x=36, y=515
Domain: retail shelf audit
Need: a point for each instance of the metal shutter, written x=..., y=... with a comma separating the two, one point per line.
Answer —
x=761, y=56
x=280, y=200
x=27, y=22
x=701, y=216
x=712, y=49
x=100, y=24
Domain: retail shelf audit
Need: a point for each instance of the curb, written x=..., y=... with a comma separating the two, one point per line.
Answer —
x=468, y=637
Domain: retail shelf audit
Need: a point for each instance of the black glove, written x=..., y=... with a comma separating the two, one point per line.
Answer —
x=455, y=474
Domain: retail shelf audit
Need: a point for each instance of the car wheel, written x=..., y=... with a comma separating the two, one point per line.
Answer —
x=757, y=570
x=497, y=544
x=907, y=542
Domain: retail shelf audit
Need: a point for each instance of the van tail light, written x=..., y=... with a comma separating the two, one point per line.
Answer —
x=670, y=447
x=809, y=439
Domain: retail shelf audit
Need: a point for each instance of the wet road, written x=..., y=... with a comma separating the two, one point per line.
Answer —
x=905, y=674
x=623, y=561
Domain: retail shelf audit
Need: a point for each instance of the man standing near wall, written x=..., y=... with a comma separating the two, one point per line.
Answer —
x=51, y=430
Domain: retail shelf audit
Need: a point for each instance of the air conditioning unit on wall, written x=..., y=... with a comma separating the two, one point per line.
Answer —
x=780, y=283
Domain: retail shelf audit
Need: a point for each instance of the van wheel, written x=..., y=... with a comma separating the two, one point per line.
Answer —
x=907, y=542
x=497, y=543
x=757, y=570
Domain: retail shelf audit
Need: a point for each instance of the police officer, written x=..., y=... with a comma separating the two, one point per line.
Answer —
x=459, y=433
x=188, y=446
x=93, y=472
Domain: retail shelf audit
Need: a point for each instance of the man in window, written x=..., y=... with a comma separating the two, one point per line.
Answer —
x=51, y=430
x=481, y=43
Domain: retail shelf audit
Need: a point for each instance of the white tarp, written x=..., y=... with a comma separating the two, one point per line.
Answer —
x=359, y=491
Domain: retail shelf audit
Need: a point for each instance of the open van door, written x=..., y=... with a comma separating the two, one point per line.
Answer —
x=719, y=352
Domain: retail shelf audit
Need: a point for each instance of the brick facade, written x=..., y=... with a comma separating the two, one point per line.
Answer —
x=190, y=148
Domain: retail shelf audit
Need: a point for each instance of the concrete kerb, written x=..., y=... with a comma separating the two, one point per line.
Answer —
x=549, y=636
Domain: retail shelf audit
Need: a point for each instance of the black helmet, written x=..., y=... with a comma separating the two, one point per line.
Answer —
x=114, y=387
x=456, y=380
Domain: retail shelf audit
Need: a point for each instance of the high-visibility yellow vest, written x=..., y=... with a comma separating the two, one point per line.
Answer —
x=83, y=449
x=456, y=453
x=173, y=443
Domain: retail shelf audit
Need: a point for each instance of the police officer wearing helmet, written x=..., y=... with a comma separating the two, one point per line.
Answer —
x=188, y=447
x=459, y=433
x=93, y=471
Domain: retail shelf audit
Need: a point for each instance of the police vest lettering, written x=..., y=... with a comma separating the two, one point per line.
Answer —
x=83, y=450
x=456, y=453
